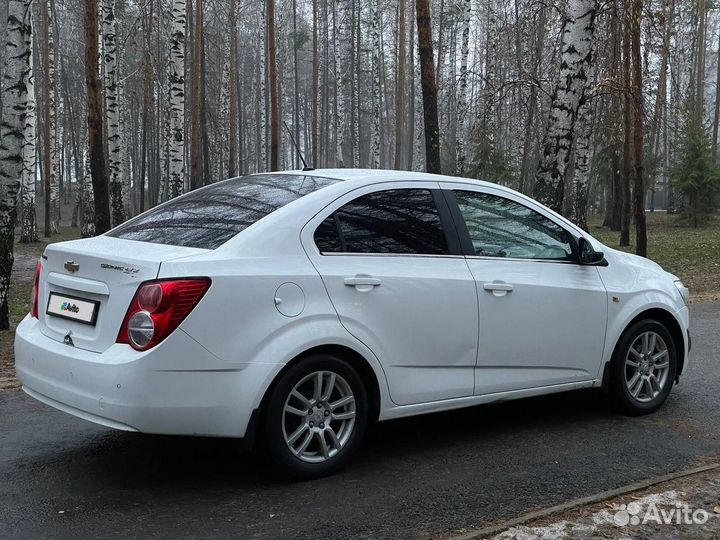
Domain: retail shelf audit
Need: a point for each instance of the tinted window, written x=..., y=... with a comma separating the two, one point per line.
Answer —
x=209, y=217
x=499, y=227
x=392, y=221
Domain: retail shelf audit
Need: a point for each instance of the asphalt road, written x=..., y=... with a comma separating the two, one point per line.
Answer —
x=421, y=477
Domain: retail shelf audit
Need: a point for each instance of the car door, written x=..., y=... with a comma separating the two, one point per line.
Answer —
x=542, y=315
x=389, y=257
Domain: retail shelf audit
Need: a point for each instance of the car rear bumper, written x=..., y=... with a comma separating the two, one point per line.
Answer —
x=177, y=388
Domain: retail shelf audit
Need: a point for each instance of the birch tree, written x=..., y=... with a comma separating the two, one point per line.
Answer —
x=112, y=111
x=87, y=226
x=575, y=56
x=28, y=231
x=581, y=177
x=374, y=159
x=176, y=100
x=460, y=152
x=341, y=69
x=49, y=127
x=17, y=76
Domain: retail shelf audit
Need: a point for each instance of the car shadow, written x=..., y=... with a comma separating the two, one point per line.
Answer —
x=173, y=462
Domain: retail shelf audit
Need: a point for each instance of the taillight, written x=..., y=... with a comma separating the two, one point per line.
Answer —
x=158, y=308
x=35, y=295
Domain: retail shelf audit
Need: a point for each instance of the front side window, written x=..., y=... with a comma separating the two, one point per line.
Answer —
x=396, y=221
x=499, y=227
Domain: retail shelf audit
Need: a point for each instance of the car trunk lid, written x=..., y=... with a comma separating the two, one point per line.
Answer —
x=102, y=270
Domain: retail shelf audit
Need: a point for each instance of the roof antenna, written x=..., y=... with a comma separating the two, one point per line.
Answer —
x=297, y=148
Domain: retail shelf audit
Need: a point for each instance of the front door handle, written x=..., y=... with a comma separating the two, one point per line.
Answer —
x=498, y=288
x=362, y=283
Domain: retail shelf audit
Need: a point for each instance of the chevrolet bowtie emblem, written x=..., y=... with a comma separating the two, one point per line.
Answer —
x=72, y=266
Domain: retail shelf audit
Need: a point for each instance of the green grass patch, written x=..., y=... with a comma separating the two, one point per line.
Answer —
x=691, y=254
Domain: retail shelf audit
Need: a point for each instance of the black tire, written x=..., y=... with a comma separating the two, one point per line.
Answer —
x=276, y=423
x=619, y=392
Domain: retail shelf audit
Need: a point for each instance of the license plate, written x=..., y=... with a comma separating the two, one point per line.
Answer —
x=73, y=308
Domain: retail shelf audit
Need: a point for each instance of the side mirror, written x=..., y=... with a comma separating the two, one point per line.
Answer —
x=588, y=255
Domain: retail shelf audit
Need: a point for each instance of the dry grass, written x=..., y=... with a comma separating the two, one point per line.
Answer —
x=691, y=254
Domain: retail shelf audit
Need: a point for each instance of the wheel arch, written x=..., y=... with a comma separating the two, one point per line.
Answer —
x=356, y=360
x=669, y=321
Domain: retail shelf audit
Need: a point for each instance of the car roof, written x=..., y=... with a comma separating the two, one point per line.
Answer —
x=374, y=175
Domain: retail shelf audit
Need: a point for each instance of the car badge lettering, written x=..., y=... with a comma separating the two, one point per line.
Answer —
x=123, y=269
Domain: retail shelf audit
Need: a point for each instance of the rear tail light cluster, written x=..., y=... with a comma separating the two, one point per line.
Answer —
x=158, y=308
x=35, y=295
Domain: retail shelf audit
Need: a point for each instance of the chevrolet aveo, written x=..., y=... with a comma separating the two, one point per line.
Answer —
x=299, y=307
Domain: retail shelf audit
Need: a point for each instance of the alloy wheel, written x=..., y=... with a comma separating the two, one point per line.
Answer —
x=647, y=365
x=318, y=416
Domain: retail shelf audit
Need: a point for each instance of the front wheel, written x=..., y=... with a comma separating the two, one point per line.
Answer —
x=316, y=416
x=644, y=366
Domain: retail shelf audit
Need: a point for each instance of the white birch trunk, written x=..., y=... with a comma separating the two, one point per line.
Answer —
x=491, y=41
x=375, y=126
x=223, y=132
x=340, y=44
x=87, y=227
x=176, y=100
x=355, y=104
x=123, y=163
x=51, y=143
x=582, y=149
x=112, y=112
x=28, y=231
x=262, y=126
x=575, y=60
x=460, y=136
x=12, y=138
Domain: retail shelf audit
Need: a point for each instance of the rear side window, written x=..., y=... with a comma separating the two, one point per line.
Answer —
x=396, y=221
x=210, y=216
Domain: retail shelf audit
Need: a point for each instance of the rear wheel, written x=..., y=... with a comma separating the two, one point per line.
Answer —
x=316, y=416
x=644, y=368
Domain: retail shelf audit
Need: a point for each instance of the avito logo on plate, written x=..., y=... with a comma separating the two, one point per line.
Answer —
x=68, y=306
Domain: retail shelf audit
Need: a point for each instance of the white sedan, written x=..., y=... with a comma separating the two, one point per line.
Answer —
x=299, y=307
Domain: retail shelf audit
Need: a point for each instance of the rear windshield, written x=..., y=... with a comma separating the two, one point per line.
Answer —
x=210, y=216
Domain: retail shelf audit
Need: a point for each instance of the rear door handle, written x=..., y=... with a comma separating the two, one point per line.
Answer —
x=364, y=283
x=498, y=288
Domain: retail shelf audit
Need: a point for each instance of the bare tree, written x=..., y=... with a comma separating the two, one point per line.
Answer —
x=233, y=119
x=95, y=114
x=315, y=86
x=429, y=90
x=638, y=132
x=196, y=179
x=400, y=116
x=273, y=79
x=49, y=128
